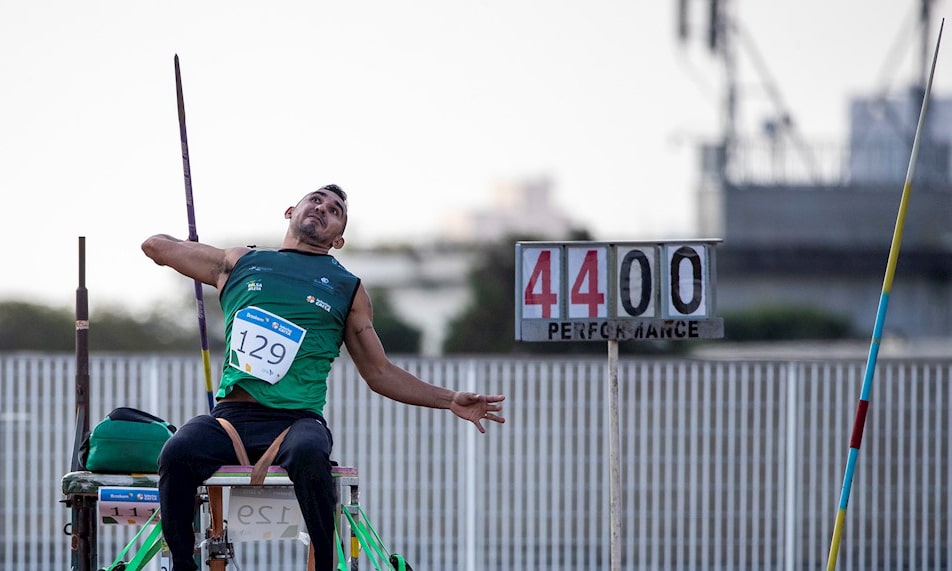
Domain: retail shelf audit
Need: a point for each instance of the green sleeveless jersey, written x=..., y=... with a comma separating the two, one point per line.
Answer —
x=284, y=324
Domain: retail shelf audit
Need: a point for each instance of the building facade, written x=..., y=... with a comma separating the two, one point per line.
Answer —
x=813, y=226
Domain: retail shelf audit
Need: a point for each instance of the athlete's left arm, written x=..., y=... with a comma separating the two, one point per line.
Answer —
x=391, y=381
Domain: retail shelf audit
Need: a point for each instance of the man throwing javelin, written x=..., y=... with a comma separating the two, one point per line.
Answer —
x=287, y=312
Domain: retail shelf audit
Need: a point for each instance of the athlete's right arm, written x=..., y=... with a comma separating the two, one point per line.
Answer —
x=208, y=264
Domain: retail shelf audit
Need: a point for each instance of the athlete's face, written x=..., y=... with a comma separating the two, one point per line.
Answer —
x=319, y=218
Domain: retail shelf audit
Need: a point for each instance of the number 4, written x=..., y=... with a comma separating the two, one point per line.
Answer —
x=541, y=279
x=588, y=277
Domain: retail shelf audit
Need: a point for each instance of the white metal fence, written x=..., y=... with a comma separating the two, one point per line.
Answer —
x=725, y=465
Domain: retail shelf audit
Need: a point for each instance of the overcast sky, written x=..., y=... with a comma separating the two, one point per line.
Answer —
x=416, y=108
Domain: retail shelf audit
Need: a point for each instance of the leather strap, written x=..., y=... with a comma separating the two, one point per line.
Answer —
x=260, y=469
x=240, y=452
x=261, y=466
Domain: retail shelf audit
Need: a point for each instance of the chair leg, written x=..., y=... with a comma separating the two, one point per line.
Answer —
x=216, y=528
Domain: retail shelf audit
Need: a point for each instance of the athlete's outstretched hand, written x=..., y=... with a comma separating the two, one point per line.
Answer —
x=476, y=408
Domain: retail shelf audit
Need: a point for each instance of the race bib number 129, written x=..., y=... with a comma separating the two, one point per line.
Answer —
x=263, y=344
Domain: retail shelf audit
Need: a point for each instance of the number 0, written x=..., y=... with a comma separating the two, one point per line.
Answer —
x=624, y=282
x=691, y=256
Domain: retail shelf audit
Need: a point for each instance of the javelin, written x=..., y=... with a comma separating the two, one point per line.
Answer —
x=193, y=233
x=859, y=422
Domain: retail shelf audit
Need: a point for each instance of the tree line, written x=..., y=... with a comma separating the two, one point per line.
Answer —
x=485, y=325
x=27, y=326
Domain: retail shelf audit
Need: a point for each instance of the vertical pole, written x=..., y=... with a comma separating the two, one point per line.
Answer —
x=354, y=543
x=470, y=466
x=614, y=447
x=791, y=518
x=85, y=524
x=82, y=356
x=216, y=530
x=83, y=521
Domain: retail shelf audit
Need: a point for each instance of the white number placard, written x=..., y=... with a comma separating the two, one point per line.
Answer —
x=588, y=271
x=263, y=344
x=687, y=266
x=131, y=506
x=264, y=513
x=637, y=270
x=591, y=291
x=541, y=274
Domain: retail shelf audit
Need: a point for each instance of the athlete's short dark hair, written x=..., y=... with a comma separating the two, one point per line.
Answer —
x=336, y=190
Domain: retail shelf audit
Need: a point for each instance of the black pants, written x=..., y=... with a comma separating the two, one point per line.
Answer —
x=201, y=446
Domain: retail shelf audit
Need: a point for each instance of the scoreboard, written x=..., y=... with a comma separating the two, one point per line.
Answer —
x=599, y=291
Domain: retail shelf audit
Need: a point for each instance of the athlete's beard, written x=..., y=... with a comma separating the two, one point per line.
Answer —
x=308, y=231
x=311, y=231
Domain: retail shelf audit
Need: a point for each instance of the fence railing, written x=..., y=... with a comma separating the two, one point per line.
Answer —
x=725, y=465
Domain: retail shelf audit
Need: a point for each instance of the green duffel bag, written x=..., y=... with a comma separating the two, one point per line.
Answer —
x=127, y=441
